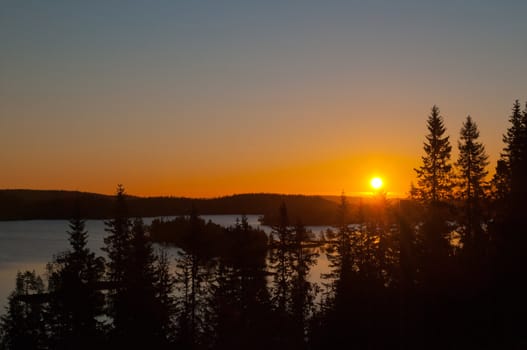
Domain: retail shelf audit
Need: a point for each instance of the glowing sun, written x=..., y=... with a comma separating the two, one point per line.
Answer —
x=376, y=183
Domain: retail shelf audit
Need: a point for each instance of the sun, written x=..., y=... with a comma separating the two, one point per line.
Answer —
x=376, y=183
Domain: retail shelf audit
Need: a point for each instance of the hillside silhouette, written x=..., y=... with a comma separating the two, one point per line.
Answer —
x=25, y=204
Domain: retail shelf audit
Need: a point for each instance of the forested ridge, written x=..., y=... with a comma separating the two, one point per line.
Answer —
x=42, y=204
x=442, y=269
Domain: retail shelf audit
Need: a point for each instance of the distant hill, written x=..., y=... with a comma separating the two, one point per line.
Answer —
x=50, y=204
x=47, y=204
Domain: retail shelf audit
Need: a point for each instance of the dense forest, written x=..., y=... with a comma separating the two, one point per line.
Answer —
x=40, y=204
x=439, y=270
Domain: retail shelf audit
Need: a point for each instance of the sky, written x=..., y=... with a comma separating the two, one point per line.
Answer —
x=211, y=98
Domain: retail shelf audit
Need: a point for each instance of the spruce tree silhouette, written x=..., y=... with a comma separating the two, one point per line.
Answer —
x=190, y=280
x=138, y=296
x=507, y=233
x=280, y=265
x=434, y=176
x=280, y=261
x=76, y=301
x=239, y=308
x=303, y=292
x=23, y=325
x=471, y=164
x=329, y=327
x=118, y=249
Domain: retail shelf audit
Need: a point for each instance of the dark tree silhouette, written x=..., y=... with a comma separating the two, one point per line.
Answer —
x=508, y=234
x=471, y=164
x=514, y=140
x=280, y=262
x=239, y=309
x=164, y=287
x=303, y=292
x=281, y=266
x=340, y=259
x=471, y=266
x=327, y=328
x=500, y=183
x=514, y=159
x=139, y=301
x=360, y=303
x=118, y=248
x=248, y=254
x=23, y=326
x=190, y=279
x=185, y=330
x=509, y=185
x=434, y=176
x=222, y=317
x=142, y=315
x=75, y=302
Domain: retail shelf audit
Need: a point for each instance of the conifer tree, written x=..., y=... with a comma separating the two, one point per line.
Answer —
x=340, y=257
x=508, y=184
x=360, y=285
x=335, y=305
x=514, y=138
x=471, y=164
x=507, y=229
x=164, y=292
x=434, y=176
x=142, y=312
x=515, y=152
x=117, y=243
x=75, y=299
x=190, y=278
x=434, y=186
x=239, y=306
x=500, y=183
x=303, y=291
x=185, y=328
x=224, y=326
x=23, y=325
x=137, y=298
x=118, y=248
x=280, y=261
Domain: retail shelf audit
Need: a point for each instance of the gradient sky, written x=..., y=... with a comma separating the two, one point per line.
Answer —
x=207, y=98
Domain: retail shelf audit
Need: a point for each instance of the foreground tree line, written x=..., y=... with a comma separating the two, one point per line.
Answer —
x=442, y=269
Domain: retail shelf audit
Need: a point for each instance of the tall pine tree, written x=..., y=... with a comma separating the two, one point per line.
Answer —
x=514, y=154
x=280, y=261
x=302, y=291
x=118, y=248
x=143, y=313
x=433, y=251
x=76, y=301
x=190, y=280
x=281, y=266
x=471, y=165
x=23, y=326
x=117, y=243
x=507, y=229
x=138, y=300
x=434, y=176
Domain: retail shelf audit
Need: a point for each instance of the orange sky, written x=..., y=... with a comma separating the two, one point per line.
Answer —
x=208, y=100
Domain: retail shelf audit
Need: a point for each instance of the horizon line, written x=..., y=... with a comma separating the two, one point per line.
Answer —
x=360, y=194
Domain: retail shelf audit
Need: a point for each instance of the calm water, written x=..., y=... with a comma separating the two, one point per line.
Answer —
x=29, y=245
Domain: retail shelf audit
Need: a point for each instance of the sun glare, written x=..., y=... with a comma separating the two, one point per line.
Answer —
x=376, y=183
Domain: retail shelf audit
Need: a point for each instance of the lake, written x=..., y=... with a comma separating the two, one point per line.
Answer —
x=29, y=245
